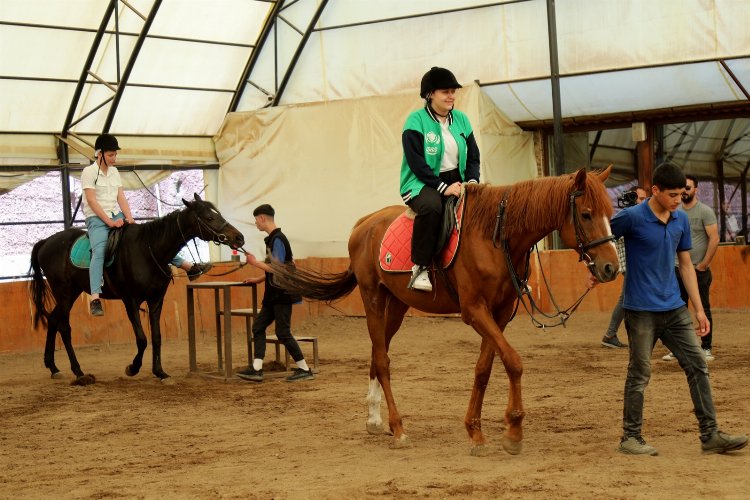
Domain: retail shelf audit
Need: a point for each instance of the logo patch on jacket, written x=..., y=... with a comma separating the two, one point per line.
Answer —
x=432, y=141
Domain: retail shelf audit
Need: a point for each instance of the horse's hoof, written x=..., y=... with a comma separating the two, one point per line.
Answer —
x=130, y=372
x=167, y=381
x=401, y=442
x=479, y=450
x=57, y=375
x=87, y=379
x=375, y=428
x=511, y=447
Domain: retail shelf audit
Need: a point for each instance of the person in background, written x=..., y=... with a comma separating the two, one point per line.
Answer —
x=704, y=233
x=277, y=303
x=654, y=231
x=440, y=153
x=105, y=206
x=610, y=337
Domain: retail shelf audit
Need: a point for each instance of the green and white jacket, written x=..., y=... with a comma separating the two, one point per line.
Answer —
x=423, y=151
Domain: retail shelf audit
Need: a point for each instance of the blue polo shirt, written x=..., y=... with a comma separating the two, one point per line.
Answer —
x=650, y=250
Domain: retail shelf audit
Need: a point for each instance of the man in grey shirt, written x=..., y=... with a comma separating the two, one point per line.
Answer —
x=704, y=232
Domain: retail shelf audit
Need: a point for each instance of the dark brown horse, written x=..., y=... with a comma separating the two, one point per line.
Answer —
x=140, y=273
x=577, y=205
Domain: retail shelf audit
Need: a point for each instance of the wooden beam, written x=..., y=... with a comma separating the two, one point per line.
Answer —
x=645, y=158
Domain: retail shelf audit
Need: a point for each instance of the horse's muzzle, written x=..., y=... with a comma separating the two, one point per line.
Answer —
x=237, y=242
x=604, y=273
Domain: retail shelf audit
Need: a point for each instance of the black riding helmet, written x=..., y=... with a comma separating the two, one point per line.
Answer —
x=437, y=78
x=106, y=142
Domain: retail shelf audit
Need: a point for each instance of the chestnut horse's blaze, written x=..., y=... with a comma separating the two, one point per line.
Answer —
x=576, y=204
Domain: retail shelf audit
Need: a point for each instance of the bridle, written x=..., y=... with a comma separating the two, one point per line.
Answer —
x=218, y=237
x=520, y=284
x=583, y=244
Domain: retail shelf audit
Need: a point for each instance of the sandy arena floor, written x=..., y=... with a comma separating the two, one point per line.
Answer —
x=202, y=438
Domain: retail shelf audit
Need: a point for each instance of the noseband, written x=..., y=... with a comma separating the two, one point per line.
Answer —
x=218, y=236
x=582, y=242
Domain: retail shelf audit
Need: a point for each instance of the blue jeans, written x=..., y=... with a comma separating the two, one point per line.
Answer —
x=675, y=330
x=98, y=234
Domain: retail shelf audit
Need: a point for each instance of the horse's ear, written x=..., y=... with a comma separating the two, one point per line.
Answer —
x=197, y=197
x=580, y=182
x=603, y=175
x=187, y=203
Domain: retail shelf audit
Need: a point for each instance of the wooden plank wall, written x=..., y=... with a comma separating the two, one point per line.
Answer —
x=565, y=275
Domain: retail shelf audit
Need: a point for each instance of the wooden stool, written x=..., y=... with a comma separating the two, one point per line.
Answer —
x=272, y=339
x=249, y=314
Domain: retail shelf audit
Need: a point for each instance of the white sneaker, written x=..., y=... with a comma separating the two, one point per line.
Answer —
x=422, y=280
x=709, y=356
x=668, y=357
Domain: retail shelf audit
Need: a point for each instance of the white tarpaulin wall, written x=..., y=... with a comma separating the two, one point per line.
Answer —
x=643, y=54
x=614, y=57
x=323, y=166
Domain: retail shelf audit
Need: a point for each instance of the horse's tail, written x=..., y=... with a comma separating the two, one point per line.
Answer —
x=40, y=292
x=325, y=287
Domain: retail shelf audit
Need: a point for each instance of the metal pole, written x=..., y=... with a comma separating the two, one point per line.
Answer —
x=260, y=44
x=123, y=80
x=62, y=154
x=559, y=160
x=298, y=53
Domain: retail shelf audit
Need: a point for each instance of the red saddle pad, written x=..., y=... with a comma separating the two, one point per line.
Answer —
x=395, y=249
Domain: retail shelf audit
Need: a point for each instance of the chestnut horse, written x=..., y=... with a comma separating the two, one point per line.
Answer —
x=576, y=204
x=139, y=273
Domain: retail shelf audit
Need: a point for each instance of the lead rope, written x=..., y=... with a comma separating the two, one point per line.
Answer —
x=521, y=286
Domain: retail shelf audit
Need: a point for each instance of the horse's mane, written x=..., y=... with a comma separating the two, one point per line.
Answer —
x=161, y=228
x=167, y=227
x=532, y=204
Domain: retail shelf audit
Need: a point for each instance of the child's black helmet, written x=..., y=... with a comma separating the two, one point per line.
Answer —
x=106, y=142
x=437, y=78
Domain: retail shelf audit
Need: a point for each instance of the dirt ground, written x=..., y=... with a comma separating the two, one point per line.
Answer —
x=205, y=438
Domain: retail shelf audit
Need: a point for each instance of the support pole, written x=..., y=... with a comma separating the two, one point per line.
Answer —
x=645, y=157
x=62, y=154
x=559, y=158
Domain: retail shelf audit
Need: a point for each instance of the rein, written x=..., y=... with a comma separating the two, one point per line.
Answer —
x=219, y=238
x=521, y=284
x=166, y=273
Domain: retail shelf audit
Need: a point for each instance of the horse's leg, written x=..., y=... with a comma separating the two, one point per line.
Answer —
x=385, y=314
x=62, y=320
x=49, y=346
x=481, y=320
x=154, y=314
x=131, y=307
x=473, y=420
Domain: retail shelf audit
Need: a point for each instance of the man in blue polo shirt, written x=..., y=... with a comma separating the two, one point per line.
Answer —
x=654, y=231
